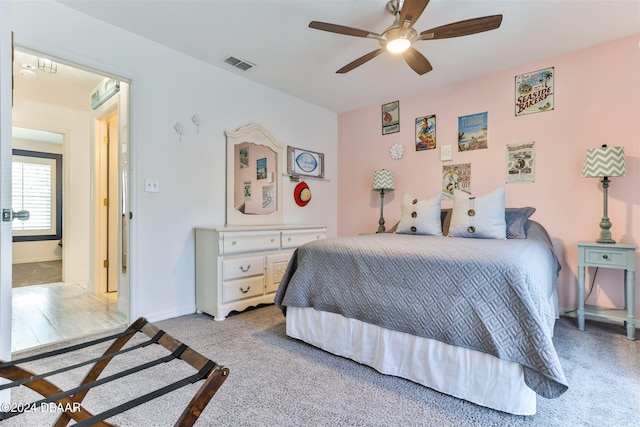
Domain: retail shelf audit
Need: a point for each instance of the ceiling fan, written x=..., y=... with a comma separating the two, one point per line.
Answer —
x=400, y=36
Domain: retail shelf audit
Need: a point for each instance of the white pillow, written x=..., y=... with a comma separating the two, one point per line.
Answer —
x=420, y=216
x=481, y=217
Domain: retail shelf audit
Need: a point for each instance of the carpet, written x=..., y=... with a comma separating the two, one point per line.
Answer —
x=277, y=381
x=36, y=273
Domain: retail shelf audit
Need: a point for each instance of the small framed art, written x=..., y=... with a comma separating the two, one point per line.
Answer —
x=391, y=117
x=521, y=163
x=426, y=133
x=472, y=132
x=534, y=92
x=304, y=163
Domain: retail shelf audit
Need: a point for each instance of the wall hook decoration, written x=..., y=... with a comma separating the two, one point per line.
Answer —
x=196, y=122
x=179, y=130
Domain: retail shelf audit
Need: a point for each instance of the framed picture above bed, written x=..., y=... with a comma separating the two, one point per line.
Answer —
x=426, y=133
x=534, y=92
x=473, y=131
x=521, y=163
x=391, y=117
x=455, y=177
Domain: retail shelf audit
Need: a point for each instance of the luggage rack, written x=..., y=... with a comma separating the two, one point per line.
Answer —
x=70, y=401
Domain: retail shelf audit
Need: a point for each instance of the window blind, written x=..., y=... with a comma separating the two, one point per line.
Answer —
x=32, y=190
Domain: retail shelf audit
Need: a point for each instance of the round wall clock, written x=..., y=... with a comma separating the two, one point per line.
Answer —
x=397, y=150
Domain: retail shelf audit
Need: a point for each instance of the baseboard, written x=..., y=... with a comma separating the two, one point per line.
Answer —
x=44, y=259
x=167, y=314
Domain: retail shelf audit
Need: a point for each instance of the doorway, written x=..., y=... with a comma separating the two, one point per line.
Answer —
x=110, y=217
x=58, y=98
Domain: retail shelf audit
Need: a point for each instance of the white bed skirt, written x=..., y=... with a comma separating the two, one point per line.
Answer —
x=467, y=374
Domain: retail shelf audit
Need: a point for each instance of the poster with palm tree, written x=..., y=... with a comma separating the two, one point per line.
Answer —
x=472, y=132
x=534, y=92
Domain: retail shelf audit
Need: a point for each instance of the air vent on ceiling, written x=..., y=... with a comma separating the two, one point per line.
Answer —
x=238, y=63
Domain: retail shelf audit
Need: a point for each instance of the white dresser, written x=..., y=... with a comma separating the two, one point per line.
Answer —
x=241, y=266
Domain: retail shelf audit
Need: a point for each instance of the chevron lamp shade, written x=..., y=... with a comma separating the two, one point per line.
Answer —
x=383, y=180
x=604, y=161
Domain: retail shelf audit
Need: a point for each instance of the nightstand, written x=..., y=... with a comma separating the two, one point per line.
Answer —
x=605, y=255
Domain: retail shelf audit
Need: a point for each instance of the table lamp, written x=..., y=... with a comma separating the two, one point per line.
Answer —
x=602, y=163
x=382, y=180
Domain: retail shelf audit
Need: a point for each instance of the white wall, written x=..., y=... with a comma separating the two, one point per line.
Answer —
x=168, y=87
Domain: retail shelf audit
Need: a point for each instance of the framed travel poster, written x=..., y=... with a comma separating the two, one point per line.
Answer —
x=534, y=92
x=521, y=164
x=261, y=168
x=426, y=133
x=455, y=177
x=472, y=132
x=391, y=117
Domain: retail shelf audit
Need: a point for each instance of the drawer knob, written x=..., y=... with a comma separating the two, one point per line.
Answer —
x=244, y=291
x=244, y=270
x=605, y=256
x=289, y=239
x=233, y=243
x=273, y=240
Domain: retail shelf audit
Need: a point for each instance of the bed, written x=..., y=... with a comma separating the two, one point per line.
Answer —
x=469, y=317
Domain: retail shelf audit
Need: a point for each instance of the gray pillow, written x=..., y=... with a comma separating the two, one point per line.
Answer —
x=516, y=219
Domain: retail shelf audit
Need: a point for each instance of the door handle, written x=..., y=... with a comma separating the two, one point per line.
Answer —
x=21, y=215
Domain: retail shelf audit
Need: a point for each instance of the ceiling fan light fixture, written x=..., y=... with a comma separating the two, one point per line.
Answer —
x=398, y=45
x=400, y=36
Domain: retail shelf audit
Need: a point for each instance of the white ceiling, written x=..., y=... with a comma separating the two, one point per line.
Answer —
x=292, y=58
x=68, y=87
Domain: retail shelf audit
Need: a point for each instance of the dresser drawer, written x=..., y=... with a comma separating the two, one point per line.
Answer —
x=234, y=243
x=605, y=257
x=293, y=239
x=234, y=290
x=237, y=268
x=275, y=268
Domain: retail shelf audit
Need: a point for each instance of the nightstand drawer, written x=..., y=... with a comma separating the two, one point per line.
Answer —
x=605, y=257
x=244, y=242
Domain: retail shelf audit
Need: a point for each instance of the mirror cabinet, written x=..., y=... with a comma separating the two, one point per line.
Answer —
x=254, y=177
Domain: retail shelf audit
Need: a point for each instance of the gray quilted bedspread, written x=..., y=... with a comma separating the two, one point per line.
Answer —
x=487, y=295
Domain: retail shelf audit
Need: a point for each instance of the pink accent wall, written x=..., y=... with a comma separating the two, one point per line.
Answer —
x=597, y=101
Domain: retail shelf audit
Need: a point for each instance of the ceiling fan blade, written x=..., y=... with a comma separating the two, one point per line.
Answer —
x=463, y=28
x=341, y=29
x=411, y=10
x=417, y=61
x=358, y=62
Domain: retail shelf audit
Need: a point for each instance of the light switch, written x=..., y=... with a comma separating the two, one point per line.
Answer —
x=151, y=185
x=446, y=152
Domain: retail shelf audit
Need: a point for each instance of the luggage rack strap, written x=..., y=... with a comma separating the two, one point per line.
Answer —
x=213, y=375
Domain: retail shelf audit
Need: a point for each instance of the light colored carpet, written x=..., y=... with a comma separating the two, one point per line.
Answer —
x=278, y=381
x=36, y=273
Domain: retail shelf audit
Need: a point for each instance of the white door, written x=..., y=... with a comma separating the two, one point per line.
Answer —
x=108, y=213
x=6, y=50
x=111, y=214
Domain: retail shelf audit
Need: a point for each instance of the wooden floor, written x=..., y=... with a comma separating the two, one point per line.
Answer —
x=42, y=314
